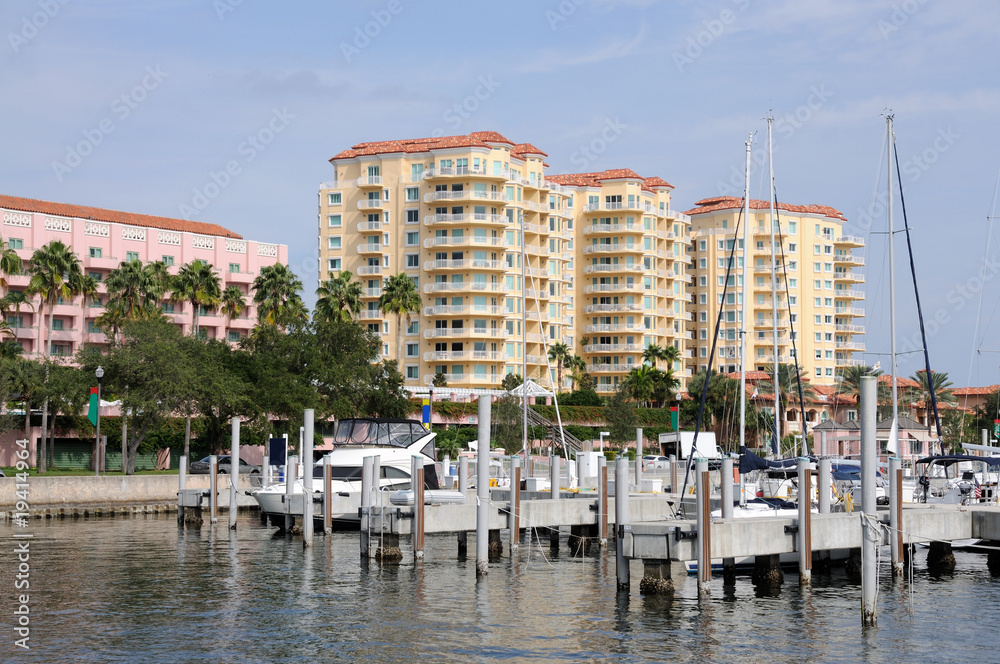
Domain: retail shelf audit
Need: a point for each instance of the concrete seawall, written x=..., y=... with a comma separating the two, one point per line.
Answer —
x=109, y=492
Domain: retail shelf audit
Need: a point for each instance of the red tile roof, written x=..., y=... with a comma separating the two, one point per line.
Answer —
x=594, y=179
x=717, y=203
x=974, y=391
x=480, y=139
x=114, y=216
x=751, y=375
x=886, y=379
x=527, y=148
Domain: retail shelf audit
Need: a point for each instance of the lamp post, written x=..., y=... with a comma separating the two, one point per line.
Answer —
x=603, y=434
x=677, y=426
x=100, y=374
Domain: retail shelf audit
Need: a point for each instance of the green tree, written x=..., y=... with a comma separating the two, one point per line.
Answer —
x=399, y=298
x=943, y=388
x=132, y=296
x=10, y=263
x=506, y=424
x=338, y=297
x=53, y=269
x=850, y=379
x=234, y=303
x=578, y=376
x=621, y=417
x=84, y=286
x=559, y=353
x=149, y=372
x=276, y=294
x=439, y=380
x=281, y=362
x=223, y=388
x=197, y=284
x=510, y=381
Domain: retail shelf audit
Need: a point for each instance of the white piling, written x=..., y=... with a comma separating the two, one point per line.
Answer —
x=327, y=495
x=446, y=471
x=181, y=482
x=638, y=459
x=213, y=488
x=366, y=505
x=266, y=470
x=822, y=444
x=621, y=522
x=727, y=488
x=895, y=516
x=804, y=535
x=291, y=472
x=234, y=471
x=703, y=522
x=673, y=474
x=463, y=476
x=824, y=479
x=869, y=535
x=417, y=473
x=307, y=478
x=554, y=476
x=483, y=489
x=514, y=518
x=602, y=500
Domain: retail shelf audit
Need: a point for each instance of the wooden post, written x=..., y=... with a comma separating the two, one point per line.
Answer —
x=704, y=522
x=181, y=482
x=291, y=471
x=327, y=495
x=213, y=489
x=234, y=471
x=307, y=477
x=514, y=519
x=366, y=506
x=602, y=500
x=417, y=473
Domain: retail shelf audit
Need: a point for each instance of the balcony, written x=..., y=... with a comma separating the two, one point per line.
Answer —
x=453, y=171
x=465, y=194
x=613, y=348
x=851, y=346
x=847, y=259
x=851, y=363
x=849, y=311
x=613, y=288
x=466, y=241
x=677, y=216
x=467, y=380
x=466, y=264
x=239, y=278
x=474, y=218
x=464, y=356
x=368, y=270
x=464, y=310
x=371, y=292
x=594, y=229
x=613, y=249
x=370, y=181
x=849, y=294
x=463, y=332
x=619, y=327
x=370, y=204
x=465, y=287
x=851, y=329
x=617, y=206
x=610, y=368
x=537, y=229
x=848, y=275
x=370, y=314
x=850, y=240
x=369, y=248
x=370, y=226
x=611, y=308
x=603, y=268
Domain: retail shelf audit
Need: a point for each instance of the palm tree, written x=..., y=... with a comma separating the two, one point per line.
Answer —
x=399, y=297
x=10, y=262
x=559, y=353
x=198, y=284
x=338, y=298
x=53, y=269
x=652, y=353
x=234, y=302
x=276, y=295
x=161, y=275
x=133, y=294
x=942, y=387
x=577, y=366
x=85, y=286
x=850, y=380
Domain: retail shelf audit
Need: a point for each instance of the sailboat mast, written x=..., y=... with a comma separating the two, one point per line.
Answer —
x=524, y=346
x=776, y=447
x=892, y=285
x=742, y=294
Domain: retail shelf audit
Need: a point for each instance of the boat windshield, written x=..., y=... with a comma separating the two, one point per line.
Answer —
x=385, y=432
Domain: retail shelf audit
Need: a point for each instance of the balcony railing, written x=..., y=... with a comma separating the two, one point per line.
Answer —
x=370, y=204
x=614, y=267
x=370, y=180
x=370, y=269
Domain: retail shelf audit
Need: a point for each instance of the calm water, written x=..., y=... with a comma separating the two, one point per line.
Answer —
x=139, y=590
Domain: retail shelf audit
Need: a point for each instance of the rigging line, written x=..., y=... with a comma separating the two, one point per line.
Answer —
x=916, y=295
x=976, y=342
x=791, y=333
x=711, y=358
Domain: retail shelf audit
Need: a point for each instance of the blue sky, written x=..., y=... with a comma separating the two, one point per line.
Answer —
x=165, y=93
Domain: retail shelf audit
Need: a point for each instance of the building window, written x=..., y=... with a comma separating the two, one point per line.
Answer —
x=385, y=328
x=413, y=327
x=168, y=307
x=57, y=324
x=412, y=372
x=234, y=268
x=333, y=264
x=334, y=198
x=233, y=336
x=413, y=216
x=131, y=256
x=334, y=242
x=412, y=193
x=167, y=260
x=95, y=252
x=334, y=221
x=96, y=276
x=412, y=238
x=15, y=243
x=412, y=350
x=412, y=261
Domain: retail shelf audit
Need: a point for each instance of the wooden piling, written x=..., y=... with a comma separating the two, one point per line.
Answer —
x=602, y=501
x=366, y=502
x=213, y=488
x=181, y=482
x=307, y=477
x=514, y=515
x=417, y=473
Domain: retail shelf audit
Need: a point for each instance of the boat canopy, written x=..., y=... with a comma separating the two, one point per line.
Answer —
x=379, y=431
x=950, y=459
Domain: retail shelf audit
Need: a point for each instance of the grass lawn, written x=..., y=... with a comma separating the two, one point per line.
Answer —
x=54, y=472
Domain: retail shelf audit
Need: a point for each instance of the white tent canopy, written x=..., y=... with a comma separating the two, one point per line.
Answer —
x=531, y=388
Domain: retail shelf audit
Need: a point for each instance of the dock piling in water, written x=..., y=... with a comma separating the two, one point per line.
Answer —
x=728, y=564
x=704, y=521
x=234, y=471
x=181, y=481
x=483, y=488
x=291, y=471
x=366, y=505
x=824, y=479
x=896, y=516
x=514, y=518
x=213, y=489
x=804, y=534
x=602, y=501
x=621, y=522
x=869, y=461
x=327, y=495
x=417, y=473
x=307, y=477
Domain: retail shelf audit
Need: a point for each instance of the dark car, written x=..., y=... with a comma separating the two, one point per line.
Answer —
x=225, y=467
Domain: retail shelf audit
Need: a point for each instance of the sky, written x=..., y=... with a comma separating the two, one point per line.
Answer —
x=227, y=111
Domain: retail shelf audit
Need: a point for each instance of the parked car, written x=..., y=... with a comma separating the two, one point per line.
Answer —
x=655, y=462
x=225, y=467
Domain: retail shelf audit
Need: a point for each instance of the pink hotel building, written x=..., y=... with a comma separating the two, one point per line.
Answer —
x=102, y=239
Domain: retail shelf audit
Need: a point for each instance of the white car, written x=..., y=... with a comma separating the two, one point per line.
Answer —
x=655, y=462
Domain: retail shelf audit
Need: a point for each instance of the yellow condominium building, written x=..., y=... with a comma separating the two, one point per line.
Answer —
x=823, y=299
x=630, y=281
x=603, y=258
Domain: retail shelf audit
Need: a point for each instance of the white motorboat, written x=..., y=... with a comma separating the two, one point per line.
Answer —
x=394, y=441
x=957, y=479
